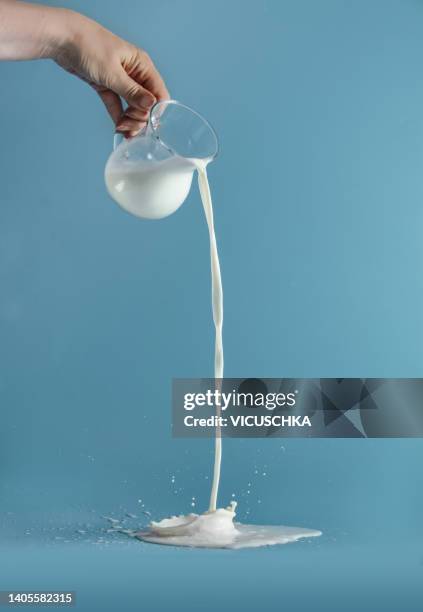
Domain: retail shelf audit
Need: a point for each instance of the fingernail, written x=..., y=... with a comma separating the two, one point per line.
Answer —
x=147, y=101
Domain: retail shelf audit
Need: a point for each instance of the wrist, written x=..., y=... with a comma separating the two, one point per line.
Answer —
x=31, y=31
x=60, y=32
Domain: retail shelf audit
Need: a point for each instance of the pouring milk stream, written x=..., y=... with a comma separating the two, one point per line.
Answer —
x=150, y=176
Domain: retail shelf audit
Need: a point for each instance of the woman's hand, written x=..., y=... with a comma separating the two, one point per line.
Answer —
x=113, y=67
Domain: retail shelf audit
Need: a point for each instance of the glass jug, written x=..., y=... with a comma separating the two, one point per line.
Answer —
x=150, y=175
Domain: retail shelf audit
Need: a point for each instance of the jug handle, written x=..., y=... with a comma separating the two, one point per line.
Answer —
x=117, y=139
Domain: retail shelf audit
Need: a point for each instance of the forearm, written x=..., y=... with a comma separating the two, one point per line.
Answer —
x=30, y=31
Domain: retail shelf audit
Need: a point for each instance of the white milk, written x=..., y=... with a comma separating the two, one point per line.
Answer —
x=217, y=307
x=149, y=189
x=216, y=528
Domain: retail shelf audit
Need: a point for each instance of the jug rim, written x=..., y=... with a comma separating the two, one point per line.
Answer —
x=156, y=131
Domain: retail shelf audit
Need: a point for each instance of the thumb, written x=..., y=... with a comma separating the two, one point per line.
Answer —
x=134, y=94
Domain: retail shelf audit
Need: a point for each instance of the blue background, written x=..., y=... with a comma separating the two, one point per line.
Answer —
x=318, y=195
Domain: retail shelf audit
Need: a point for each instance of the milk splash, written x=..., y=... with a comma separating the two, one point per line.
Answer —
x=216, y=528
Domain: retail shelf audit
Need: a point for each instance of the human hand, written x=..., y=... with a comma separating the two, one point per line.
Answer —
x=113, y=67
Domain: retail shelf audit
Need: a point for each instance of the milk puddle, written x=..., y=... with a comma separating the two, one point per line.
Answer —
x=216, y=528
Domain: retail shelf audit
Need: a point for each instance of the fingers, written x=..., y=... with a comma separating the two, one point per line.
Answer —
x=131, y=121
x=140, y=85
x=130, y=127
x=134, y=93
x=145, y=73
x=113, y=104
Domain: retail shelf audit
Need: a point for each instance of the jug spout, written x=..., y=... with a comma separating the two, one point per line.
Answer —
x=150, y=175
x=182, y=130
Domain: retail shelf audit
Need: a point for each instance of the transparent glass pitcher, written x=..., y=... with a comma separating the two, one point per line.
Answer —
x=150, y=175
